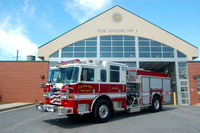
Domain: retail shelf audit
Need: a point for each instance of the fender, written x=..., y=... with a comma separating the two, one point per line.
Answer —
x=97, y=97
x=157, y=94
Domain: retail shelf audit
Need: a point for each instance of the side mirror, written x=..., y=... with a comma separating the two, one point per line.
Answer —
x=42, y=85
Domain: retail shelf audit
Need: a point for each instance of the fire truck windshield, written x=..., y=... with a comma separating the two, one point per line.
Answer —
x=64, y=75
x=53, y=74
x=68, y=75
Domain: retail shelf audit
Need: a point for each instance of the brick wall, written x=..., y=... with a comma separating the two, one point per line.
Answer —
x=20, y=81
x=193, y=69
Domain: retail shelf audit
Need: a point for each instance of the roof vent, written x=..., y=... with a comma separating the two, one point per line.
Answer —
x=30, y=58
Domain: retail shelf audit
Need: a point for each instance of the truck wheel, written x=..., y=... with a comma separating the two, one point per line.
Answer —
x=156, y=104
x=102, y=111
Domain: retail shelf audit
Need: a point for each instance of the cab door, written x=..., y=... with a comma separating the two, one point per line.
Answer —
x=103, y=81
x=87, y=88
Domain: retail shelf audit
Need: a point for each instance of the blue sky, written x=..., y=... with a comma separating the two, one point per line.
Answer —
x=25, y=25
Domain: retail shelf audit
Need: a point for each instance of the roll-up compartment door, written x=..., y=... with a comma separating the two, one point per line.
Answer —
x=145, y=90
x=166, y=90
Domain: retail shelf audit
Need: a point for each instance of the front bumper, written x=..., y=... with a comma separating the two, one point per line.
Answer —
x=54, y=109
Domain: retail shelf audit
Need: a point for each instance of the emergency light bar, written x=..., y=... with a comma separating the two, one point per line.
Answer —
x=78, y=61
x=69, y=62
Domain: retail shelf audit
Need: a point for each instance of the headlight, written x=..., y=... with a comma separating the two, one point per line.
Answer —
x=64, y=96
x=46, y=95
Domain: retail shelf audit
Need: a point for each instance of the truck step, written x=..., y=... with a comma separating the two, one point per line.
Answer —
x=134, y=109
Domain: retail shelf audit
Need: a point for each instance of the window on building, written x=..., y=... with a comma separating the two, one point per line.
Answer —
x=156, y=49
x=103, y=75
x=198, y=84
x=84, y=48
x=117, y=46
x=153, y=49
x=67, y=51
x=55, y=54
x=180, y=55
x=104, y=38
x=129, y=47
x=91, y=47
x=79, y=49
x=168, y=52
x=105, y=47
x=87, y=74
x=114, y=73
x=182, y=67
x=144, y=48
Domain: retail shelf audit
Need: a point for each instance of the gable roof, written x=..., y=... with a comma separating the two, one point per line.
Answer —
x=129, y=24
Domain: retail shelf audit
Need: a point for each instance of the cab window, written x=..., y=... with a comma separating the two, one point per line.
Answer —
x=114, y=73
x=87, y=74
x=103, y=75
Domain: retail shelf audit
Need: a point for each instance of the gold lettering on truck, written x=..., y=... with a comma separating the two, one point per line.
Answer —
x=85, y=88
x=114, y=88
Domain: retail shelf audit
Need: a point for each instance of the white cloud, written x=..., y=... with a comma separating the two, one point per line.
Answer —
x=28, y=8
x=82, y=10
x=13, y=33
x=13, y=38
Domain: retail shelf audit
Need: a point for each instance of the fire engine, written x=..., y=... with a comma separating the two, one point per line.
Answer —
x=100, y=87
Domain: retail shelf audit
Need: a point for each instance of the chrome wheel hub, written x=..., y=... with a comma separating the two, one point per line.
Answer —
x=103, y=111
x=156, y=104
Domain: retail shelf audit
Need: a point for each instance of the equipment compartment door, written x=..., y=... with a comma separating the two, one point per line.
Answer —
x=145, y=91
x=166, y=91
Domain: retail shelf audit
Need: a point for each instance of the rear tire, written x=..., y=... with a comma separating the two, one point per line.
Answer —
x=101, y=111
x=156, y=104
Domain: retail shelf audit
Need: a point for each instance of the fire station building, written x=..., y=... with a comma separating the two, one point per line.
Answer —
x=121, y=36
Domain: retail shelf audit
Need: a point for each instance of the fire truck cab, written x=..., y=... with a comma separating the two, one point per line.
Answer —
x=100, y=87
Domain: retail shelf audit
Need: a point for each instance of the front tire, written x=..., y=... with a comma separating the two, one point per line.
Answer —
x=156, y=104
x=102, y=111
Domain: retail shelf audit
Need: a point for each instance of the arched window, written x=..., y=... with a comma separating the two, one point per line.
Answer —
x=81, y=49
x=153, y=49
x=117, y=47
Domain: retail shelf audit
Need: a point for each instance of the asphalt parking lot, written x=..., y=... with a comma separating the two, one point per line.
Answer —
x=173, y=119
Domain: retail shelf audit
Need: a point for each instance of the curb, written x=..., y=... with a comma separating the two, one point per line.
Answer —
x=15, y=107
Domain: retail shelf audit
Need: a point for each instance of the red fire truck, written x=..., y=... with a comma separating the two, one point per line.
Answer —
x=100, y=87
